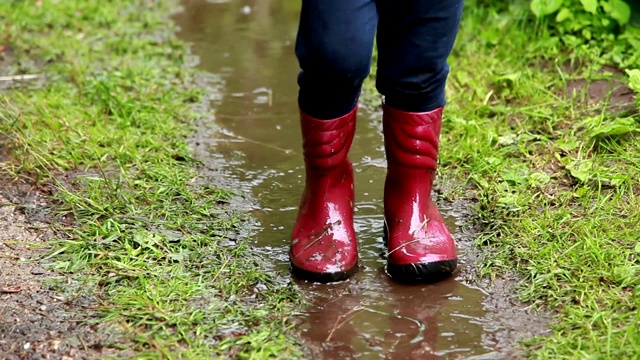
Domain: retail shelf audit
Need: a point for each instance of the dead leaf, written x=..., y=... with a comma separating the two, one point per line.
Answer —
x=10, y=289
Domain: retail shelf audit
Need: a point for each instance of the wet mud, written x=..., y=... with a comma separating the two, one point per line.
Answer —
x=43, y=314
x=611, y=92
x=252, y=143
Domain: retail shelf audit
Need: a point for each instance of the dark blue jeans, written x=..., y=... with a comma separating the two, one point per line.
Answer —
x=335, y=44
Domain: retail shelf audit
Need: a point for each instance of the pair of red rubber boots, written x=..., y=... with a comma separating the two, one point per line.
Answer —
x=419, y=245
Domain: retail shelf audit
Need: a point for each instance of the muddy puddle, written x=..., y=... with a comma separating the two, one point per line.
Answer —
x=253, y=142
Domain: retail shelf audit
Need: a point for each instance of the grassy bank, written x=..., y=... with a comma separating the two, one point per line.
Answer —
x=546, y=136
x=551, y=149
x=105, y=122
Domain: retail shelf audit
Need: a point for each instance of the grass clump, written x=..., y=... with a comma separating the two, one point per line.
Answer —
x=106, y=124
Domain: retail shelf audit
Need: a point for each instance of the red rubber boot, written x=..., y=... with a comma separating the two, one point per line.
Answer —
x=323, y=246
x=420, y=247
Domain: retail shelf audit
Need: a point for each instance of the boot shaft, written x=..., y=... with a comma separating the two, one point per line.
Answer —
x=326, y=143
x=412, y=139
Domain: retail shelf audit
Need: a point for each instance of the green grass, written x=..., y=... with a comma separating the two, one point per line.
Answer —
x=556, y=180
x=106, y=124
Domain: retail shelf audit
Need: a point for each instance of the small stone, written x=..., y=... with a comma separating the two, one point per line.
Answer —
x=38, y=271
x=26, y=346
x=260, y=287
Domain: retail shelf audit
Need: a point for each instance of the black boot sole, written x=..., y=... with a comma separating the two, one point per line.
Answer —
x=323, y=277
x=422, y=272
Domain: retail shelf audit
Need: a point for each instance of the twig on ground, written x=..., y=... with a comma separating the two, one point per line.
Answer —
x=338, y=324
x=19, y=77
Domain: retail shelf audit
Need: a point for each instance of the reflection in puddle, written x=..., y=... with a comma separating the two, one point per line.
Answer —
x=373, y=317
x=247, y=46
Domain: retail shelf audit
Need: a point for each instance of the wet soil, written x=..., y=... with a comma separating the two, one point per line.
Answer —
x=43, y=314
x=610, y=92
x=252, y=143
x=15, y=73
x=6, y=58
